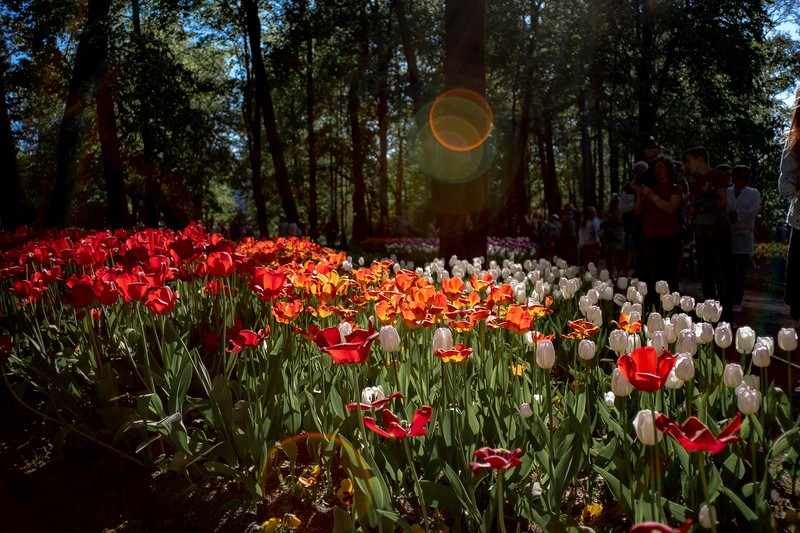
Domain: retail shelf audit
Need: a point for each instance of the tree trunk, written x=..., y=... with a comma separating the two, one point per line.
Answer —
x=264, y=100
x=84, y=79
x=14, y=207
x=464, y=206
x=410, y=53
x=361, y=227
x=551, y=192
x=383, y=142
x=313, y=215
x=644, y=82
x=252, y=116
x=588, y=187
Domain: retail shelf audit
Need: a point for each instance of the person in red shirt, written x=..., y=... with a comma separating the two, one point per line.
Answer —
x=708, y=212
x=660, y=207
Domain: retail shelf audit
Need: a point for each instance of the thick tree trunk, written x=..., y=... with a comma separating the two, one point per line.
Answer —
x=84, y=79
x=14, y=207
x=264, y=99
x=383, y=141
x=464, y=206
x=252, y=117
x=361, y=227
x=313, y=215
x=410, y=53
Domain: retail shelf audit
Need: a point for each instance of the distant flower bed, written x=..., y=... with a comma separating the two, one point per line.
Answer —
x=769, y=259
x=424, y=250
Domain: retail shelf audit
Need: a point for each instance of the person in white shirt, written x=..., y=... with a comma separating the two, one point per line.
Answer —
x=743, y=205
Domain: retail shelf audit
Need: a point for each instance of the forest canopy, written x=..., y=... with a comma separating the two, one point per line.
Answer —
x=246, y=114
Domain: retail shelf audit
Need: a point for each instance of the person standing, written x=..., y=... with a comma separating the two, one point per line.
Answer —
x=589, y=237
x=790, y=190
x=708, y=212
x=743, y=205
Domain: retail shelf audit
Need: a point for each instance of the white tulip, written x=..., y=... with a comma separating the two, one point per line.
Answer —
x=687, y=342
x=442, y=339
x=768, y=342
x=645, y=426
x=641, y=288
x=723, y=335
x=345, y=329
x=704, y=332
x=748, y=401
x=654, y=323
x=622, y=283
x=594, y=296
x=619, y=299
x=525, y=410
x=732, y=375
x=595, y=315
x=372, y=394
x=659, y=341
x=745, y=339
x=787, y=339
x=671, y=331
x=700, y=310
x=713, y=311
x=584, y=303
x=673, y=382
x=586, y=349
x=607, y=293
x=389, y=338
x=620, y=386
x=687, y=303
x=662, y=287
x=610, y=397
x=752, y=381
x=604, y=275
x=618, y=341
x=545, y=354
x=707, y=516
x=761, y=357
x=684, y=367
x=666, y=303
x=634, y=342
x=682, y=321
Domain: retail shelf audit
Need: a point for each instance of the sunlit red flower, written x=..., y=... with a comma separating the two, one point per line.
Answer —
x=480, y=283
x=518, y=320
x=695, y=436
x=81, y=293
x=496, y=458
x=131, y=287
x=400, y=430
x=309, y=334
x=240, y=339
x=377, y=404
x=352, y=348
x=287, y=312
x=452, y=288
x=646, y=369
x=655, y=527
x=500, y=295
x=267, y=283
x=161, y=301
x=219, y=264
x=457, y=355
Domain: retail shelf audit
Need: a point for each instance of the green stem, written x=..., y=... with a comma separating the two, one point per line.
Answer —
x=501, y=524
x=417, y=485
x=704, y=482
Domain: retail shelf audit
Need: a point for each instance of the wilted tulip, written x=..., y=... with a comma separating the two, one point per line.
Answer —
x=586, y=349
x=687, y=303
x=748, y=400
x=618, y=341
x=619, y=385
x=645, y=426
x=745, y=339
x=732, y=375
x=442, y=339
x=545, y=354
x=723, y=335
x=372, y=394
x=684, y=367
x=389, y=338
x=787, y=339
x=707, y=516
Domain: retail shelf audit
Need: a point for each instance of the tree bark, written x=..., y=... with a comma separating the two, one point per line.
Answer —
x=83, y=81
x=383, y=141
x=361, y=227
x=588, y=186
x=14, y=207
x=410, y=53
x=264, y=100
x=464, y=206
x=313, y=215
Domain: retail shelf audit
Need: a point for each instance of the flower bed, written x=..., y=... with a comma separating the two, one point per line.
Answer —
x=480, y=397
x=419, y=251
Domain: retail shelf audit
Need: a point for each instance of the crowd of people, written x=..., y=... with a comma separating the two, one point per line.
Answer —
x=664, y=208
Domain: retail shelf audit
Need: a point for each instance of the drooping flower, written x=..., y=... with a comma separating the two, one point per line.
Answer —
x=346, y=349
x=242, y=338
x=646, y=369
x=458, y=354
x=397, y=430
x=695, y=436
x=496, y=458
x=373, y=401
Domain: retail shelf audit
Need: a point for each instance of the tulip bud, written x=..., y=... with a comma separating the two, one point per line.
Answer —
x=666, y=303
x=525, y=410
x=748, y=401
x=684, y=367
x=634, y=342
x=586, y=349
x=645, y=426
x=595, y=316
x=768, y=342
x=745, y=339
x=707, y=516
x=545, y=354
x=389, y=338
x=618, y=341
x=659, y=341
x=687, y=342
x=607, y=293
x=662, y=287
x=622, y=283
x=704, y=332
x=372, y=394
x=723, y=335
x=682, y=321
x=619, y=385
x=751, y=381
x=713, y=311
x=787, y=339
x=687, y=303
x=584, y=304
x=761, y=357
x=442, y=339
x=672, y=333
x=732, y=375
x=609, y=398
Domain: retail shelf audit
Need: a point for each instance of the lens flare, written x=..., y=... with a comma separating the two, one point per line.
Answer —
x=461, y=120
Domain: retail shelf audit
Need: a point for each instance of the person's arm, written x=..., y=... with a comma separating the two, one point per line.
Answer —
x=670, y=206
x=746, y=211
x=790, y=171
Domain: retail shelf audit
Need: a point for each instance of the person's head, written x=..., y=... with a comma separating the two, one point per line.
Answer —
x=589, y=213
x=724, y=167
x=664, y=169
x=793, y=135
x=741, y=176
x=613, y=203
x=651, y=152
x=696, y=160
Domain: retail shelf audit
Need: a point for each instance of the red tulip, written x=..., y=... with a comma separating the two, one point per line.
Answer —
x=655, y=527
x=646, y=369
x=267, y=283
x=396, y=430
x=131, y=287
x=81, y=293
x=219, y=264
x=161, y=300
x=377, y=404
x=242, y=338
x=354, y=348
x=496, y=458
x=695, y=436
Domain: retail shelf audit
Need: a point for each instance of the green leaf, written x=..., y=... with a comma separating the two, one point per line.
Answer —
x=743, y=508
